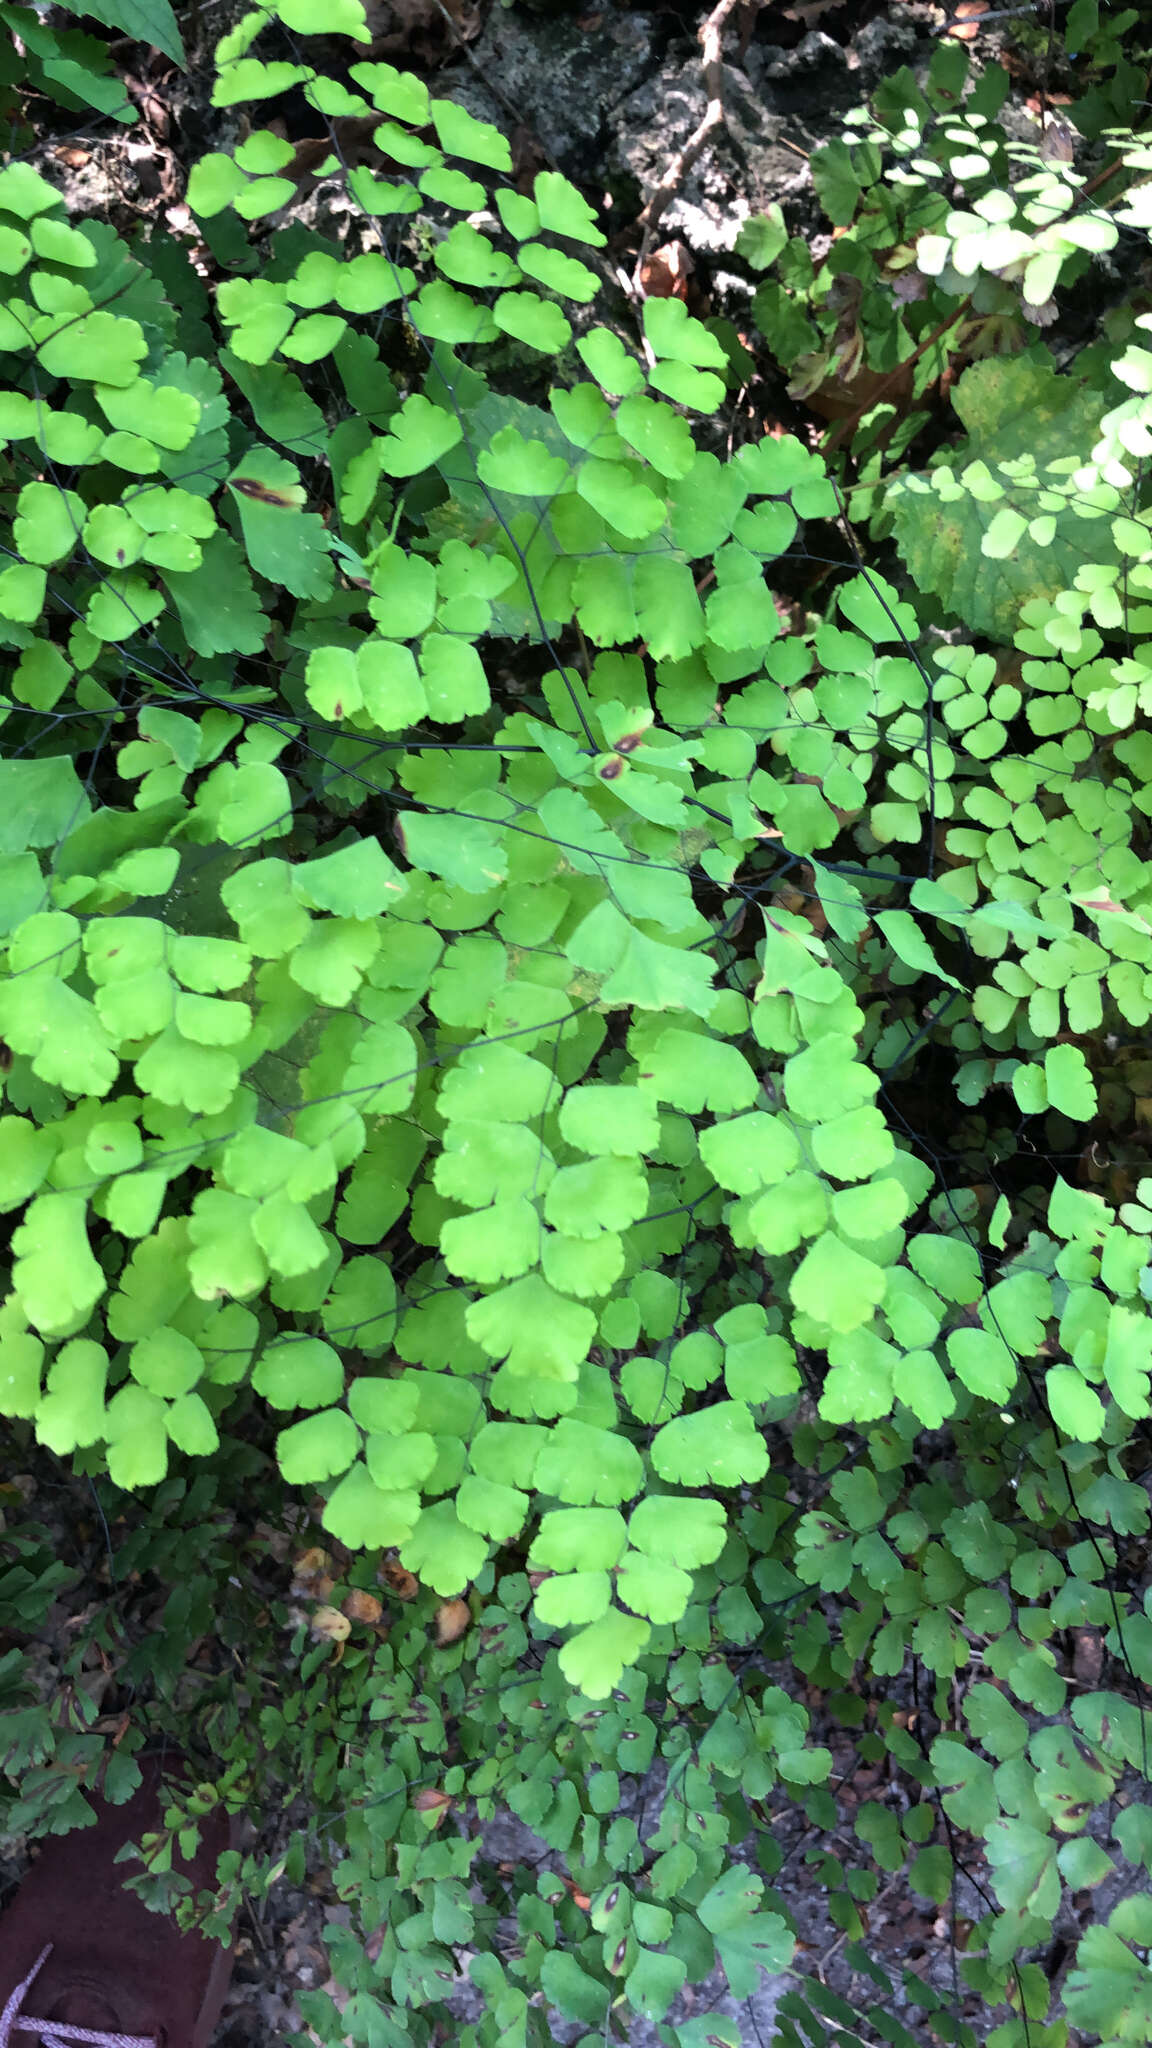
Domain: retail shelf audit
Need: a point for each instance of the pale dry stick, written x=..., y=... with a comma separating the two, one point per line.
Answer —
x=634, y=292
x=710, y=36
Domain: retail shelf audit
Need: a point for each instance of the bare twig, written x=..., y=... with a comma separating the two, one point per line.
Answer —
x=710, y=36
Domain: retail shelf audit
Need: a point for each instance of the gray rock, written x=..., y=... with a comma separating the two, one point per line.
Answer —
x=743, y=165
x=564, y=82
x=884, y=44
x=815, y=53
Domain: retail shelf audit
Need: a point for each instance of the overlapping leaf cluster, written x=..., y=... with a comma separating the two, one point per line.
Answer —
x=457, y=952
x=954, y=238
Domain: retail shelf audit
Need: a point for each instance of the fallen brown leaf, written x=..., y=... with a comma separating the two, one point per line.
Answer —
x=665, y=273
x=965, y=24
x=310, y=1564
x=1087, y=1655
x=331, y=1624
x=453, y=1619
x=362, y=1607
x=404, y=1584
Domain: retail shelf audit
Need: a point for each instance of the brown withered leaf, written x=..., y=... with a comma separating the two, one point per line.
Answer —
x=529, y=157
x=431, y=1801
x=453, y=1619
x=362, y=1607
x=331, y=1624
x=666, y=272
x=405, y=1585
x=834, y=397
x=313, y=1574
x=964, y=26
x=1058, y=144
x=311, y=1563
x=1087, y=1655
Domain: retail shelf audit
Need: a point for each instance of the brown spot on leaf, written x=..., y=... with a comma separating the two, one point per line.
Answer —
x=264, y=494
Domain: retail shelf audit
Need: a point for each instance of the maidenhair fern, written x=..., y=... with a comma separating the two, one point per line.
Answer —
x=457, y=952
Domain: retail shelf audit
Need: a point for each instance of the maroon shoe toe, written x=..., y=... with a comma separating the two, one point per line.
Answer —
x=83, y=1961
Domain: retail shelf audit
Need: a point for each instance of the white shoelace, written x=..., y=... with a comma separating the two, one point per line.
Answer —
x=57, y=2033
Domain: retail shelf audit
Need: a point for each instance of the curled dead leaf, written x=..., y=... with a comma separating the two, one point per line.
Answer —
x=405, y=1585
x=362, y=1607
x=313, y=1575
x=310, y=1564
x=965, y=24
x=331, y=1624
x=1087, y=1655
x=453, y=1618
x=666, y=272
